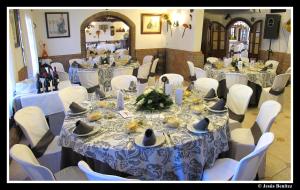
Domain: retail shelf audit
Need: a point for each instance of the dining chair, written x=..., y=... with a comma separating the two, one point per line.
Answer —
x=195, y=72
x=64, y=84
x=122, y=82
x=78, y=60
x=89, y=79
x=246, y=169
x=237, y=102
x=274, y=63
x=71, y=94
x=144, y=72
x=95, y=176
x=59, y=66
x=235, y=78
x=275, y=92
x=148, y=59
x=175, y=80
x=151, y=79
x=212, y=59
x=205, y=84
x=35, y=128
x=37, y=172
x=63, y=76
x=243, y=140
x=288, y=70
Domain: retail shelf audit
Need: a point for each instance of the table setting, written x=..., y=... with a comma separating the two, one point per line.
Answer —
x=155, y=136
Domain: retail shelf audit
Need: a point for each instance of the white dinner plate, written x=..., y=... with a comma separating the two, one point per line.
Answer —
x=76, y=114
x=95, y=130
x=193, y=130
x=216, y=111
x=160, y=139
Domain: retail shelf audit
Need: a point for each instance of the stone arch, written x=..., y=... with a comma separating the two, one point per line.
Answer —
x=98, y=15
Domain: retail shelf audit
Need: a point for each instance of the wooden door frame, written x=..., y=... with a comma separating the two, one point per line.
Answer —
x=219, y=36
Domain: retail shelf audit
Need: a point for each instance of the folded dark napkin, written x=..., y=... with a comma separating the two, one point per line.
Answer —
x=100, y=93
x=270, y=66
x=211, y=93
x=82, y=128
x=149, y=138
x=76, y=108
x=95, y=66
x=264, y=69
x=202, y=125
x=220, y=105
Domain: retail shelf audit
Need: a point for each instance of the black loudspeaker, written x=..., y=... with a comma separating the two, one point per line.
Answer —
x=272, y=26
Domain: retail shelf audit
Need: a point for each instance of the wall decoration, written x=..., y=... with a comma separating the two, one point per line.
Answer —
x=150, y=24
x=14, y=20
x=57, y=24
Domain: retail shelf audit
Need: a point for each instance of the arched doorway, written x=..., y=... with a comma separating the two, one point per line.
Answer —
x=99, y=15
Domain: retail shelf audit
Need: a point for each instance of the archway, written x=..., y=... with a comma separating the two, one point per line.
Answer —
x=96, y=16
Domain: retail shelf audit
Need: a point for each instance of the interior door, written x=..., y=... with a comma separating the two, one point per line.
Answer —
x=255, y=38
x=205, y=43
x=217, y=40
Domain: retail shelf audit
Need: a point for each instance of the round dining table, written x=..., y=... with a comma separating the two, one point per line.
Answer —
x=183, y=155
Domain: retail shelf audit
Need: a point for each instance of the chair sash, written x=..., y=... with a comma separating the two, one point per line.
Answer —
x=43, y=144
x=256, y=132
x=276, y=92
x=236, y=117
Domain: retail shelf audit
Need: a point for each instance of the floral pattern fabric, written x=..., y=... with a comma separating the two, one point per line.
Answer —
x=183, y=159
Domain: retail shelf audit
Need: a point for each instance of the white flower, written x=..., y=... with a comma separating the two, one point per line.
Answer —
x=141, y=102
x=161, y=105
x=149, y=101
x=147, y=91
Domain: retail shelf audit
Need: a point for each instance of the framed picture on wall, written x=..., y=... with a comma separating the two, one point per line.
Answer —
x=151, y=24
x=57, y=24
x=15, y=20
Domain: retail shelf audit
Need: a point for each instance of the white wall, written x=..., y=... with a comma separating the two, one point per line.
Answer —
x=282, y=44
x=71, y=45
x=191, y=41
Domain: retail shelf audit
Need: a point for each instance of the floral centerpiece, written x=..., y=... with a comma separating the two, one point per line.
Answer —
x=153, y=99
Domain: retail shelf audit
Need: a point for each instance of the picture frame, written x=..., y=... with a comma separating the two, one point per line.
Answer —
x=57, y=24
x=15, y=20
x=151, y=23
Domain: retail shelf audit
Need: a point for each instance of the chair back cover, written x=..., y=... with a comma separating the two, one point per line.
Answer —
x=267, y=114
x=191, y=68
x=144, y=71
x=212, y=59
x=24, y=156
x=122, y=82
x=64, y=84
x=288, y=70
x=235, y=78
x=88, y=78
x=174, y=79
x=248, y=166
x=71, y=94
x=238, y=98
x=280, y=81
x=147, y=59
x=32, y=122
x=59, y=66
x=95, y=176
x=205, y=84
x=154, y=64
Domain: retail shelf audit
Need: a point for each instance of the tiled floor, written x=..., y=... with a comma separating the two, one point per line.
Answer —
x=278, y=166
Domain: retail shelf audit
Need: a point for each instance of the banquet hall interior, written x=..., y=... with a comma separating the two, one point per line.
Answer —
x=149, y=94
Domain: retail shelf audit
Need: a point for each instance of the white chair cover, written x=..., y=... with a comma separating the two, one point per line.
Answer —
x=191, y=68
x=288, y=71
x=154, y=64
x=235, y=78
x=122, y=82
x=237, y=101
x=279, y=83
x=95, y=176
x=71, y=94
x=24, y=156
x=122, y=71
x=59, y=66
x=151, y=79
x=274, y=63
x=147, y=59
x=228, y=169
x=175, y=80
x=144, y=71
x=88, y=78
x=205, y=84
x=64, y=84
x=63, y=76
x=200, y=73
x=212, y=59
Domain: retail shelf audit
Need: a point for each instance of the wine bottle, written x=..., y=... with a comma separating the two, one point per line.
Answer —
x=39, y=85
x=55, y=79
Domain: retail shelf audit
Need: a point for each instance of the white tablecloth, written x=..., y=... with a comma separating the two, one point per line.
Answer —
x=49, y=102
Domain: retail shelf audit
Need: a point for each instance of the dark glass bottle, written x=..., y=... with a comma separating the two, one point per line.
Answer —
x=55, y=80
x=39, y=85
x=46, y=84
